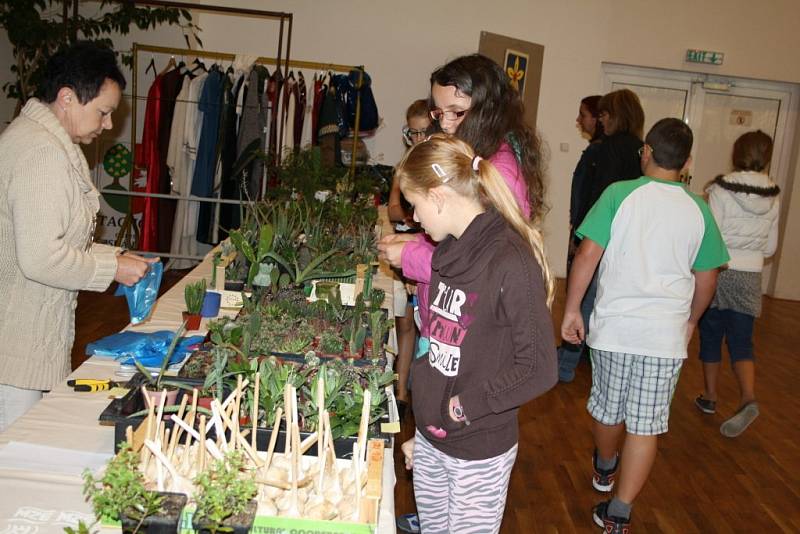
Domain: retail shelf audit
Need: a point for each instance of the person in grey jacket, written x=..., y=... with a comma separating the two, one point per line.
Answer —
x=745, y=204
x=48, y=210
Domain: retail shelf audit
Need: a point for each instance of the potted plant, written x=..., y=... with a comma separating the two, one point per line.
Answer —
x=154, y=384
x=120, y=494
x=193, y=295
x=225, y=497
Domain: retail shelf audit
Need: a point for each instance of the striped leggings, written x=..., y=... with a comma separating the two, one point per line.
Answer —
x=460, y=496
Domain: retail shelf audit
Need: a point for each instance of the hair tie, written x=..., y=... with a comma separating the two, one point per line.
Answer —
x=475, y=162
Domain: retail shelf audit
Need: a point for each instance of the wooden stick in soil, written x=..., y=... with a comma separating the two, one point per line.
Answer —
x=273, y=438
x=236, y=437
x=129, y=435
x=145, y=461
x=362, y=427
x=357, y=477
x=322, y=453
x=331, y=449
x=295, y=464
x=236, y=413
x=287, y=405
x=155, y=448
x=177, y=430
x=201, y=445
x=254, y=415
x=309, y=442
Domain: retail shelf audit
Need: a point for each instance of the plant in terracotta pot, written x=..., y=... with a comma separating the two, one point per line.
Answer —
x=193, y=294
x=225, y=496
x=120, y=494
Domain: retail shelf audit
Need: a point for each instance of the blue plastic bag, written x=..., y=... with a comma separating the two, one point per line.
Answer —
x=142, y=295
x=148, y=348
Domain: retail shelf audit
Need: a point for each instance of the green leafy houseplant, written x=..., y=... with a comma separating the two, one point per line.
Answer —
x=120, y=492
x=224, y=492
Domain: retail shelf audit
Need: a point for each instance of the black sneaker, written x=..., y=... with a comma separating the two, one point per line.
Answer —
x=603, y=479
x=609, y=523
x=705, y=405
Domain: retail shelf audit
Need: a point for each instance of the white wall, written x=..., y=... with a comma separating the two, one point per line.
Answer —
x=400, y=43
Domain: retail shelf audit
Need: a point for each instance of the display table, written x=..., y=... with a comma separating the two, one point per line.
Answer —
x=43, y=453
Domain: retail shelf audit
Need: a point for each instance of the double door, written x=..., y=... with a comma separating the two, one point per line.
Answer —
x=718, y=110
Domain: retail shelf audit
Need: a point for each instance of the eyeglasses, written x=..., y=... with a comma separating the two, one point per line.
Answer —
x=641, y=150
x=409, y=134
x=437, y=114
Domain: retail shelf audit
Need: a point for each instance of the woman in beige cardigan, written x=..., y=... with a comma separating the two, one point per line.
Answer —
x=48, y=209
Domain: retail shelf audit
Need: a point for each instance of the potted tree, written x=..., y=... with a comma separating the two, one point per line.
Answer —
x=193, y=294
x=225, y=496
x=120, y=494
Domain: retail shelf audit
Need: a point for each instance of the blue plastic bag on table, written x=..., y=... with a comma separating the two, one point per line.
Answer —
x=148, y=348
x=142, y=295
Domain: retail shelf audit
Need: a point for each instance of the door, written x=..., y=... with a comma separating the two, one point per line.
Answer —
x=718, y=111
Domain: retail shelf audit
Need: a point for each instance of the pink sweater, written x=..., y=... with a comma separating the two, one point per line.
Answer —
x=417, y=254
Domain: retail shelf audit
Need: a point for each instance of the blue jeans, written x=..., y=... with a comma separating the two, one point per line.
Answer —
x=569, y=355
x=735, y=327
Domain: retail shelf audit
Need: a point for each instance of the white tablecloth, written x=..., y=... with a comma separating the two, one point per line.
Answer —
x=36, y=497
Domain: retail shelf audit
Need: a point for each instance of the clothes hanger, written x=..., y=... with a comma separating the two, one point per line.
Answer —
x=151, y=65
x=171, y=64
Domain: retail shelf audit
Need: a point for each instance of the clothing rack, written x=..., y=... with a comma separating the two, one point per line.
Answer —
x=129, y=231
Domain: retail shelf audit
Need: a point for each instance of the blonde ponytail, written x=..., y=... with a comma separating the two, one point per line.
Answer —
x=447, y=160
x=495, y=192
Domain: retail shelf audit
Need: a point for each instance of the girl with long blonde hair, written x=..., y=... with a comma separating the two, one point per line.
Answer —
x=491, y=346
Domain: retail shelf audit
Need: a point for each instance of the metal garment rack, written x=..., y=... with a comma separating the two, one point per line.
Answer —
x=129, y=229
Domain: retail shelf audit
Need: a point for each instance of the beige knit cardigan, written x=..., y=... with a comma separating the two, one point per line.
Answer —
x=47, y=208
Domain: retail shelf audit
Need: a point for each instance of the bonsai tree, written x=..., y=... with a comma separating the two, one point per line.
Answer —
x=224, y=491
x=120, y=491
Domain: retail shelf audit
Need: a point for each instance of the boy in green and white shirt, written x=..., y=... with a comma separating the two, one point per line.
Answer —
x=660, y=249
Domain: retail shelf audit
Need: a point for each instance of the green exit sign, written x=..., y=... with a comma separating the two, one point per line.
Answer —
x=704, y=56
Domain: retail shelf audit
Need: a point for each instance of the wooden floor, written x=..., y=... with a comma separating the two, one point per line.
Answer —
x=702, y=482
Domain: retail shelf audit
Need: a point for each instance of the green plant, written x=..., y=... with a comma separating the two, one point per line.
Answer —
x=121, y=491
x=159, y=381
x=255, y=255
x=81, y=528
x=222, y=491
x=193, y=294
x=331, y=342
x=379, y=325
x=36, y=30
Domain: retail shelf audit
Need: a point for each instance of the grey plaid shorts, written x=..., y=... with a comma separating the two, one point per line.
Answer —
x=633, y=389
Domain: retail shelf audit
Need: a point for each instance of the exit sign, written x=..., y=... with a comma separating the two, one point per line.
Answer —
x=704, y=56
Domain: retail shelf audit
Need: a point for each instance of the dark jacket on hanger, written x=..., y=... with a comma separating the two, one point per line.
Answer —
x=207, y=151
x=252, y=126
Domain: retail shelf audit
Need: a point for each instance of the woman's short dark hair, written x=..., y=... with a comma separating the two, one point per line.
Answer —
x=83, y=67
x=496, y=115
x=752, y=151
x=625, y=110
x=671, y=142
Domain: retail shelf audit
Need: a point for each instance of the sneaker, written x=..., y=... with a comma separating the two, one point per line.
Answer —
x=603, y=479
x=609, y=523
x=705, y=405
x=408, y=523
x=739, y=422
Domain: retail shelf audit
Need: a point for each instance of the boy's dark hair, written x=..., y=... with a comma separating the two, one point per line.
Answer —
x=83, y=67
x=496, y=115
x=671, y=143
x=752, y=151
x=418, y=108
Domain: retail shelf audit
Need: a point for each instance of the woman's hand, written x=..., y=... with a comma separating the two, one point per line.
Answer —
x=131, y=268
x=408, y=453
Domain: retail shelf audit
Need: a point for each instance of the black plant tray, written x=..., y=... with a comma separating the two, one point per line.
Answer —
x=118, y=411
x=132, y=402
